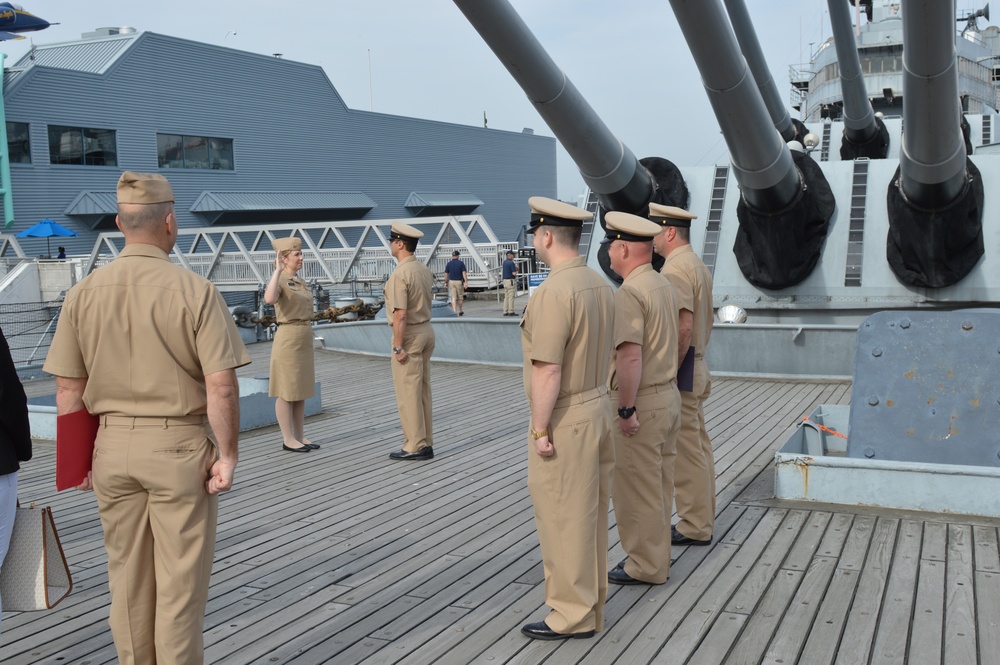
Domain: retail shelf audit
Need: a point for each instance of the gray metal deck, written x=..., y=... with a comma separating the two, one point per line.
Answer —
x=342, y=556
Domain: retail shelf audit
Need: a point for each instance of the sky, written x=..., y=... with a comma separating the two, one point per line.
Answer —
x=423, y=59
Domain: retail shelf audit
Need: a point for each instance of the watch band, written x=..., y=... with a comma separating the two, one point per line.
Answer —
x=396, y=350
x=538, y=435
x=625, y=412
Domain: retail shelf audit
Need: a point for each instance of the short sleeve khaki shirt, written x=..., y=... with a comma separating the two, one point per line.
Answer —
x=646, y=314
x=409, y=287
x=569, y=321
x=295, y=301
x=144, y=333
x=693, y=283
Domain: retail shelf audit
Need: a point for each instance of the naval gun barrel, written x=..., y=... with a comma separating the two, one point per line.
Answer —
x=932, y=157
x=607, y=165
x=935, y=200
x=786, y=204
x=762, y=162
x=750, y=46
x=864, y=134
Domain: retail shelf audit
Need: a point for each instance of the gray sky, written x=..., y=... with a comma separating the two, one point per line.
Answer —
x=629, y=60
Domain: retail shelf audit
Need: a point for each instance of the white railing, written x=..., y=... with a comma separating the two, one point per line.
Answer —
x=241, y=258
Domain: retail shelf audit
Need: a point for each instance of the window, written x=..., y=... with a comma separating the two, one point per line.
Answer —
x=18, y=143
x=194, y=152
x=82, y=145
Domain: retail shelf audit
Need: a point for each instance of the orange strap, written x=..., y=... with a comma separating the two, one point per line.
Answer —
x=825, y=429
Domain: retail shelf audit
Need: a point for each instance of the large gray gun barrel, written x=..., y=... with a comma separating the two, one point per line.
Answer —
x=864, y=135
x=750, y=45
x=786, y=202
x=932, y=158
x=762, y=163
x=607, y=165
x=935, y=203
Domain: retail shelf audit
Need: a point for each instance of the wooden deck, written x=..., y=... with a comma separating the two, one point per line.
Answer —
x=341, y=556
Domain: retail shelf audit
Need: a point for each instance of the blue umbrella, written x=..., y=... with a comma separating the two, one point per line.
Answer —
x=46, y=229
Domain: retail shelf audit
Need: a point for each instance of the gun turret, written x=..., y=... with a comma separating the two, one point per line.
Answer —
x=786, y=202
x=936, y=199
x=608, y=167
x=864, y=134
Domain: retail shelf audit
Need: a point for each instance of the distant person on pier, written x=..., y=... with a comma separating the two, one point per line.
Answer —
x=151, y=348
x=694, y=468
x=456, y=280
x=408, y=308
x=566, y=338
x=644, y=391
x=509, y=275
x=15, y=442
x=62, y=253
x=293, y=372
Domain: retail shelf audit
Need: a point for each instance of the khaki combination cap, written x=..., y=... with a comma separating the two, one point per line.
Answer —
x=631, y=228
x=670, y=215
x=287, y=244
x=401, y=231
x=545, y=211
x=144, y=188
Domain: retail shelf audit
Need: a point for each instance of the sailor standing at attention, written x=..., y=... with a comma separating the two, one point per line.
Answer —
x=150, y=347
x=694, y=468
x=644, y=391
x=566, y=336
x=408, y=306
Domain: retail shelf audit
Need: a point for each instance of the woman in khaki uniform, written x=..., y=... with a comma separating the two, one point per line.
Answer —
x=293, y=374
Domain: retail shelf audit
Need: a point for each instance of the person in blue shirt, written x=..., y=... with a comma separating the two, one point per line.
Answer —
x=509, y=289
x=456, y=280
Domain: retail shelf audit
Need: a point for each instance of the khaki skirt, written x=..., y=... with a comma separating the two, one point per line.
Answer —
x=293, y=374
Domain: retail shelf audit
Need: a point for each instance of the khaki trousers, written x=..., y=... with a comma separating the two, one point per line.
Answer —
x=509, y=291
x=643, y=486
x=694, y=469
x=412, y=381
x=570, y=493
x=159, y=531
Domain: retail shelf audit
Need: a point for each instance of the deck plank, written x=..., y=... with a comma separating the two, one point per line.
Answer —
x=342, y=556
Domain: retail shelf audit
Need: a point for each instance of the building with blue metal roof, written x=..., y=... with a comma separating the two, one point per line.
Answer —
x=243, y=138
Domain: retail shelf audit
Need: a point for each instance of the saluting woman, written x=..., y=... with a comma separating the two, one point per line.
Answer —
x=293, y=375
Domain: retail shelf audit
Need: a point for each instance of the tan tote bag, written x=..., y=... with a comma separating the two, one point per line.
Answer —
x=35, y=575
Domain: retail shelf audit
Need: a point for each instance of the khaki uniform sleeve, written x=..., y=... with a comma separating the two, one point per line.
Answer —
x=550, y=326
x=398, y=288
x=219, y=344
x=65, y=358
x=629, y=317
x=683, y=288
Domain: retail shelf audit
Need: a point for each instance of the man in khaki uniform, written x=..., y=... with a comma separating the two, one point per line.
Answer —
x=408, y=305
x=566, y=338
x=644, y=391
x=151, y=349
x=694, y=468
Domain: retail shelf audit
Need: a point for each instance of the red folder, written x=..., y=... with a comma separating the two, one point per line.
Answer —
x=75, y=435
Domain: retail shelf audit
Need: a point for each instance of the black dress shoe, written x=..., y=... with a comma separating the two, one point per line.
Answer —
x=678, y=538
x=311, y=446
x=619, y=576
x=422, y=454
x=303, y=449
x=621, y=564
x=541, y=631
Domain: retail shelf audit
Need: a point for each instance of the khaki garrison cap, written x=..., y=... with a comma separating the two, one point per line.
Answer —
x=555, y=213
x=144, y=188
x=286, y=244
x=631, y=228
x=401, y=231
x=670, y=215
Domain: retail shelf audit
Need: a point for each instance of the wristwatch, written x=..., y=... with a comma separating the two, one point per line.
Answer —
x=537, y=435
x=396, y=350
x=625, y=412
